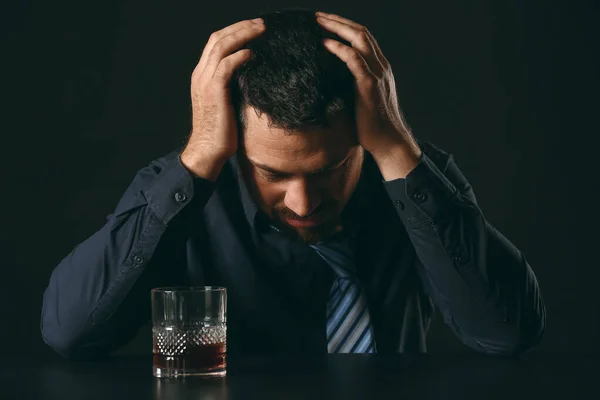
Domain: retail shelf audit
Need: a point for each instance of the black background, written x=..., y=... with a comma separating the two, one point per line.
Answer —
x=94, y=91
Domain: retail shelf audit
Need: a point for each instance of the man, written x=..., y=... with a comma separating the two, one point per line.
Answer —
x=302, y=190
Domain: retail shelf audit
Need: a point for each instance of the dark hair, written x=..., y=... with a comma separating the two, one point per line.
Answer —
x=292, y=77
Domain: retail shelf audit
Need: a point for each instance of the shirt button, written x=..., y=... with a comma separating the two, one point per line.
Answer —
x=138, y=260
x=275, y=228
x=400, y=204
x=420, y=196
x=460, y=258
x=180, y=197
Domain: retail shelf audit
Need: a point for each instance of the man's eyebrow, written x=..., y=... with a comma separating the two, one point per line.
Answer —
x=329, y=166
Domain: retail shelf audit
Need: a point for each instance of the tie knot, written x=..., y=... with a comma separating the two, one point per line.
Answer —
x=339, y=256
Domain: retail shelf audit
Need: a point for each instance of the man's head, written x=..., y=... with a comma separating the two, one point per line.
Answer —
x=294, y=103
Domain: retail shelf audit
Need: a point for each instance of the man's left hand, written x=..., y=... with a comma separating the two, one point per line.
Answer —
x=381, y=129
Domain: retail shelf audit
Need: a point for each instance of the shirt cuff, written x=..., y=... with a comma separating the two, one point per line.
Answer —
x=423, y=196
x=174, y=188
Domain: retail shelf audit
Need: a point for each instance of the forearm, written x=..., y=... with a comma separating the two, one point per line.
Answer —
x=93, y=280
x=480, y=281
x=482, y=284
x=115, y=267
x=202, y=163
x=398, y=161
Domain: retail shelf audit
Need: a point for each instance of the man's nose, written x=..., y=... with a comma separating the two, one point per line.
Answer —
x=302, y=197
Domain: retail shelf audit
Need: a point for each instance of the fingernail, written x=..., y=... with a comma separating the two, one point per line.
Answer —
x=257, y=20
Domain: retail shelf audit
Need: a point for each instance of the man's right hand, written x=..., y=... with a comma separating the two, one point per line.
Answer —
x=214, y=136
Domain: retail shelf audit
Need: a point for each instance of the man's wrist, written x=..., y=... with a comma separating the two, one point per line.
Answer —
x=397, y=161
x=203, y=165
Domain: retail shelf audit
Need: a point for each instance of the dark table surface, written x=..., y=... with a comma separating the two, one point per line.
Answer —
x=329, y=377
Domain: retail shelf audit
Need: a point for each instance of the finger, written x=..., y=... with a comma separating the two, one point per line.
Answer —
x=359, y=39
x=217, y=35
x=374, y=45
x=340, y=19
x=229, y=64
x=229, y=44
x=353, y=59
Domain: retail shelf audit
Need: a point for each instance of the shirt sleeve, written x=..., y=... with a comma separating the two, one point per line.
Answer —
x=99, y=295
x=485, y=289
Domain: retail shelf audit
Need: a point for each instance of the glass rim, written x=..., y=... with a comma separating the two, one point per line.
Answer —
x=184, y=289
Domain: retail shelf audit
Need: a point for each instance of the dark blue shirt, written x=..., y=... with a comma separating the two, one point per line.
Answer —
x=421, y=242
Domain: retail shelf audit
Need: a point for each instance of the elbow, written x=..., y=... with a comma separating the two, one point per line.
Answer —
x=532, y=335
x=532, y=331
x=59, y=344
x=53, y=328
x=62, y=341
x=70, y=345
x=65, y=335
x=516, y=341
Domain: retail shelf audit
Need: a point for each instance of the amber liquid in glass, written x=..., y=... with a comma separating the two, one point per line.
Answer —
x=210, y=357
x=191, y=350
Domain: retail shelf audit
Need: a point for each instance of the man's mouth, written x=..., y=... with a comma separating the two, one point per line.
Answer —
x=304, y=223
x=315, y=220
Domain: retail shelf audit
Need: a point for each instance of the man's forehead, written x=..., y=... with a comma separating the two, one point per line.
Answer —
x=259, y=137
x=296, y=162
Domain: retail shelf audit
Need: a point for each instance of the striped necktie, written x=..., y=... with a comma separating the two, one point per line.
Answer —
x=349, y=327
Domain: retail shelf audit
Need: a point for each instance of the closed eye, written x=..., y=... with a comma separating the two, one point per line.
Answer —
x=272, y=176
x=328, y=171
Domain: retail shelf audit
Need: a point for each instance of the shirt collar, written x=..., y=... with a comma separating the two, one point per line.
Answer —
x=369, y=177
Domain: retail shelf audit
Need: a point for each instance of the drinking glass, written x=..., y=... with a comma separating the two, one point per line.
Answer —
x=189, y=329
